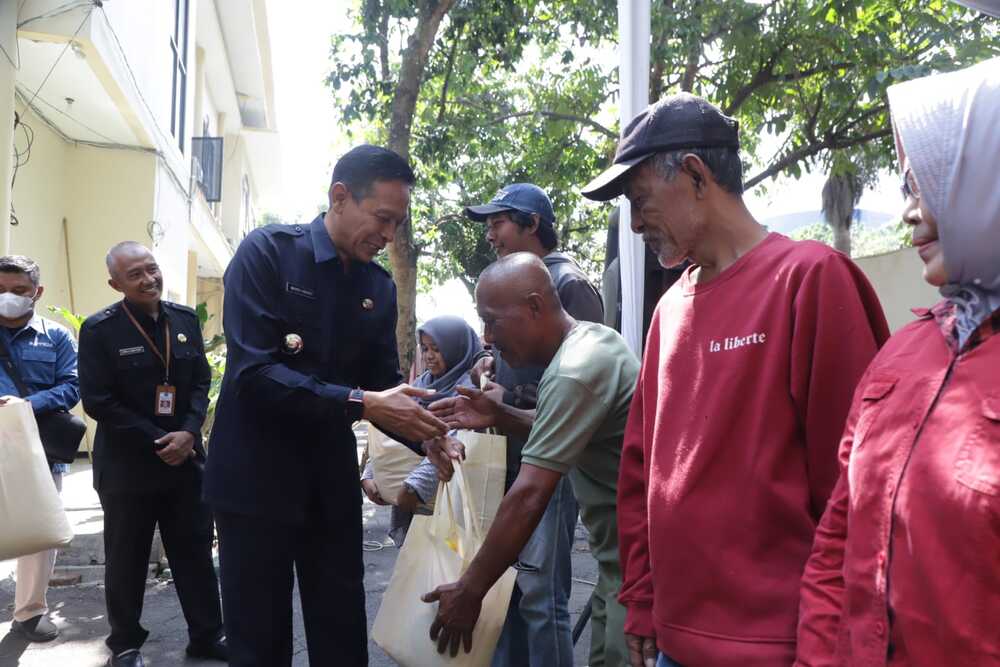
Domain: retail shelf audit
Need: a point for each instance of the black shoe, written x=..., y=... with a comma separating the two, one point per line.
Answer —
x=217, y=650
x=37, y=629
x=130, y=658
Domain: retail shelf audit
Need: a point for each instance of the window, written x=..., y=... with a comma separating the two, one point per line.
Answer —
x=179, y=47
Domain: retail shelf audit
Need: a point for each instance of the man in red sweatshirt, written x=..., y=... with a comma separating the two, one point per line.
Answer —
x=730, y=450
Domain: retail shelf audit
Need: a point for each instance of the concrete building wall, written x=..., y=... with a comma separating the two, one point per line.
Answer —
x=898, y=280
x=105, y=196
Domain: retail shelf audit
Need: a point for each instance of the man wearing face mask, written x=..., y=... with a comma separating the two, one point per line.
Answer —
x=751, y=360
x=39, y=365
x=144, y=378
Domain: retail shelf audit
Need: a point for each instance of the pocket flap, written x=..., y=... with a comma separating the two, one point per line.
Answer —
x=878, y=389
x=991, y=407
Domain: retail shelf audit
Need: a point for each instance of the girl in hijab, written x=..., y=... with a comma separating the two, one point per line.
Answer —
x=449, y=347
x=905, y=568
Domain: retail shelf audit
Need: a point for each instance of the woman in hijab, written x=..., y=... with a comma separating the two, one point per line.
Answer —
x=905, y=568
x=449, y=347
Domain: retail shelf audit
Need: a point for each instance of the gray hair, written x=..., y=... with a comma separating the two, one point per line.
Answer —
x=117, y=248
x=724, y=163
x=21, y=264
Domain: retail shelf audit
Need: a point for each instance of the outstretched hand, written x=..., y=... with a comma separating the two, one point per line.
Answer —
x=458, y=612
x=473, y=409
x=441, y=452
x=396, y=410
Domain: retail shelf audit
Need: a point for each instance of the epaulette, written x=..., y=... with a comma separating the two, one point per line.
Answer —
x=182, y=308
x=289, y=230
x=104, y=314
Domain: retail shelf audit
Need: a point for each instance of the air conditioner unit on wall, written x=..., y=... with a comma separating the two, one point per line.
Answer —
x=206, y=158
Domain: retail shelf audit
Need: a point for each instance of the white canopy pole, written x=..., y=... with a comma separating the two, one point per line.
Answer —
x=633, y=75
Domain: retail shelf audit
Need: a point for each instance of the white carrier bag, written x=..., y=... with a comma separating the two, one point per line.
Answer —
x=32, y=517
x=437, y=550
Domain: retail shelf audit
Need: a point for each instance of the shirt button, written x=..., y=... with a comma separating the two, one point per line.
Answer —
x=881, y=558
x=891, y=488
x=879, y=629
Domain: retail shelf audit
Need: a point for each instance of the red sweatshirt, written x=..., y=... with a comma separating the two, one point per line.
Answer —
x=905, y=570
x=730, y=450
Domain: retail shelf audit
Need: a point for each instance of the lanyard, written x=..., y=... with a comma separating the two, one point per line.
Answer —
x=165, y=360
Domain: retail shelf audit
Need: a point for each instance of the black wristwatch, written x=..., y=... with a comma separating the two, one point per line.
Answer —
x=355, y=408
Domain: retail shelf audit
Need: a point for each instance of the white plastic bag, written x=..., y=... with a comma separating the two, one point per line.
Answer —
x=32, y=517
x=485, y=469
x=437, y=550
x=392, y=462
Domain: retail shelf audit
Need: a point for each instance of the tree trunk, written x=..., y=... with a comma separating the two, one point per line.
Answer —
x=403, y=252
x=842, y=239
x=841, y=193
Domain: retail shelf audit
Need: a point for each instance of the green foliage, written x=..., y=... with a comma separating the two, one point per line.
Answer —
x=865, y=241
x=215, y=352
x=526, y=90
x=72, y=319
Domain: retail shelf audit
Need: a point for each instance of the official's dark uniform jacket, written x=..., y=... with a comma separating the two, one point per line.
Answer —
x=119, y=374
x=281, y=437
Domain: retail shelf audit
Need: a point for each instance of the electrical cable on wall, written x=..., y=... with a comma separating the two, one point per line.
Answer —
x=21, y=157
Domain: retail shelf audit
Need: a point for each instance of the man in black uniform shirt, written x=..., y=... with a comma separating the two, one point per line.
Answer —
x=310, y=324
x=144, y=378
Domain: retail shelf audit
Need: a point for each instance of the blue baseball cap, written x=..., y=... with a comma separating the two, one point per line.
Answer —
x=527, y=198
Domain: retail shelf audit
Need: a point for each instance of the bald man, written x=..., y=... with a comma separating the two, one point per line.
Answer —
x=576, y=430
x=144, y=378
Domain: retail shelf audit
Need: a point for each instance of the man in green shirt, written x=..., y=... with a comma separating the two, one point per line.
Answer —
x=576, y=430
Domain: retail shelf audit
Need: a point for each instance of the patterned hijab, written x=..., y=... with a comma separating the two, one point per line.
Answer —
x=948, y=125
x=459, y=344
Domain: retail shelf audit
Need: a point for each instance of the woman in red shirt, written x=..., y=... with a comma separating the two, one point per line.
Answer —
x=905, y=569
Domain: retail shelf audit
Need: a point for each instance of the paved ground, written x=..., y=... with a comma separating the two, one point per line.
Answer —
x=79, y=610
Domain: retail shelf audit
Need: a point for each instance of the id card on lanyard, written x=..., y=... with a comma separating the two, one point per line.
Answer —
x=166, y=394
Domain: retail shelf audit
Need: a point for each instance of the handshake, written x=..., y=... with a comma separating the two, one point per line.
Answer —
x=399, y=411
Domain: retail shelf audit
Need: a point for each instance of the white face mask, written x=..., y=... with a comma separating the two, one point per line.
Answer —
x=13, y=306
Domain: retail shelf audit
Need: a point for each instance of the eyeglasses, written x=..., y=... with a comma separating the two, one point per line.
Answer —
x=909, y=188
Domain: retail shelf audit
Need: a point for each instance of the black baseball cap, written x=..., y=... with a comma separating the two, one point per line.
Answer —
x=679, y=121
x=524, y=197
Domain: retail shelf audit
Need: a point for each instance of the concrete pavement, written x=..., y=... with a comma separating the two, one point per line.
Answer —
x=79, y=610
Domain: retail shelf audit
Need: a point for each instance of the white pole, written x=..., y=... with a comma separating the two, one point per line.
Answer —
x=633, y=74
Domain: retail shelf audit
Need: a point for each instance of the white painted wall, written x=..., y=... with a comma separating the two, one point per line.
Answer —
x=898, y=280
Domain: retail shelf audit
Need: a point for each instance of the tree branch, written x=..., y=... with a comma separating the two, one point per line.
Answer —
x=555, y=115
x=765, y=76
x=450, y=67
x=807, y=151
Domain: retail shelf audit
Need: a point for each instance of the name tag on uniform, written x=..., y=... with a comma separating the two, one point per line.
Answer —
x=166, y=399
x=129, y=351
x=300, y=291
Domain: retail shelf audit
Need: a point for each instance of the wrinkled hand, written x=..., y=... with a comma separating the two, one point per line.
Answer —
x=4, y=400
x=371, y=490
x=642, y=651
x=441, y=452
x=473, y=409
x=483, y=366
x=458, y=611
x=179, y=447
x=395, y=410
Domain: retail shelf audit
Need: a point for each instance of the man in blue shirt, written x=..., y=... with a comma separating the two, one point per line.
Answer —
x=310, y=324
x=44, y=354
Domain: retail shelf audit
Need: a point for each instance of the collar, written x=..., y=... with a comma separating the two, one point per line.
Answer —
x=36, y=322
x=323, y=247
x=144, y=318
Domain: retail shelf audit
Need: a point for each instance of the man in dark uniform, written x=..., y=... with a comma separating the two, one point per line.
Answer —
x=310, y=328
x=520, y=218
x=144, y=378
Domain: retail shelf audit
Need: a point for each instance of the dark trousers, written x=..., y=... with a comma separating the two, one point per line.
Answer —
x=257, y=557
x=186, y=529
